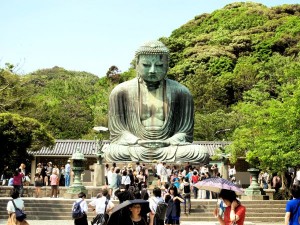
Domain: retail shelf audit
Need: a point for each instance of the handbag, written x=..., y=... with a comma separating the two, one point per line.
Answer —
x=20, y=214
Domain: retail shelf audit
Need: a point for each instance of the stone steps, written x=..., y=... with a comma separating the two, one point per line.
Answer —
x=60, y=209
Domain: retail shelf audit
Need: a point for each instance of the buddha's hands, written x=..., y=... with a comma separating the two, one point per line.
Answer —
x=178, y=139
x=154, y=144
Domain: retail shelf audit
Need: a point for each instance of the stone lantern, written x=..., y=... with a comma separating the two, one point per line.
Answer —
x=78, y=167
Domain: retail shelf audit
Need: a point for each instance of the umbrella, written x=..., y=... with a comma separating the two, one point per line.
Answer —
x=216, y=184
x=121, y=212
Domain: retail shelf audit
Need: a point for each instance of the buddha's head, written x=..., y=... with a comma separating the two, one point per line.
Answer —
x=152, y=60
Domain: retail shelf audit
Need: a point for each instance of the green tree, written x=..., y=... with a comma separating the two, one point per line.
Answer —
x=18, y=135
x=269, y=134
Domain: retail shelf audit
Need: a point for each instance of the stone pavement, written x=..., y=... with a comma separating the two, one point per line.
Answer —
x=71, y=222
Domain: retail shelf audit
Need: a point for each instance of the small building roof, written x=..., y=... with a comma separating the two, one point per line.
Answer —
x=65, y=148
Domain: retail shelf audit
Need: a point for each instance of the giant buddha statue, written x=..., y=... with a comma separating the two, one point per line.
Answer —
x=152, y=117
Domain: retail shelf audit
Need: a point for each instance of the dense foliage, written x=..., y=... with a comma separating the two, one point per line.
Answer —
x=18, y=135
x=241, y=64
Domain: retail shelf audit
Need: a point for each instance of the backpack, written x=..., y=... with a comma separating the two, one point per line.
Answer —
x=161, y=210
x=77, y=212
x=186, y=189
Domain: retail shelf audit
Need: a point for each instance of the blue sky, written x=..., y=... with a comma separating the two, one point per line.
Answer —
x=91, y=35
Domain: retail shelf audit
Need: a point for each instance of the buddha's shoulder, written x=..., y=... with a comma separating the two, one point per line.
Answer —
x=177, y=86
x=125, y=86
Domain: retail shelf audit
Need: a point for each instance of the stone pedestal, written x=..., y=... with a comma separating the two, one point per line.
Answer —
x=99, y=178
x=253, y=192
x=77, y=168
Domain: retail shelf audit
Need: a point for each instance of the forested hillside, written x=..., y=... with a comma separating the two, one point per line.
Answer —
x=241, y=63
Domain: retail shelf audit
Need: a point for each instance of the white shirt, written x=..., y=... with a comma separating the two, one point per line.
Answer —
x=67, y=168
x=163, y=171
x=18, y=202
x=158, y=168
x=153, y=203
x=106, y=171
x=99, y=204
x=125, y=180
x=109, y=177
x=83, y=205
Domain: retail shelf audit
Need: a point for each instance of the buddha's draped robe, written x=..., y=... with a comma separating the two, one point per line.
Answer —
x=126, y=127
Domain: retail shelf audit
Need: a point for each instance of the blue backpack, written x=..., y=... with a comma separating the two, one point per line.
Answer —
x=77, y=212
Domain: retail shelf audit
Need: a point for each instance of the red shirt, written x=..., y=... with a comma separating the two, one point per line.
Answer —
x=18, y=179
x=240, y=211
x=195, y=179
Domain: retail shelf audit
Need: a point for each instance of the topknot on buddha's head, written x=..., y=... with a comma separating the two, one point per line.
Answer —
x=152, y=48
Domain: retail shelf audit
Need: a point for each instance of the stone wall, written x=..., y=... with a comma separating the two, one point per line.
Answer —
x=29, y=191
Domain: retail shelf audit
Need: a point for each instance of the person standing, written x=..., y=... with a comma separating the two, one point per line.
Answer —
x=54, y=181
x=113, y=186
x=158, y=170
x=102, y=204
x=67, y=173
x=163, y=174
x=292, y=210
x=106, y=170
x=18, y=181
x=126, y=179
x=84, y=209
x=5, y=175
x=195, y=179
x=49, y=171
x=62, y=176
x=173, y=211
x=153, y=203
x=38, y=169
x=23, y=168
x=186, y=188
x=44, y=174
x=234, y=211
x=38, y=183
x=11, y=209
x=276, y=182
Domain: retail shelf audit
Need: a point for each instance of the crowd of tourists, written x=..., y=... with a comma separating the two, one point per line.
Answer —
x=46, y=174
x=165, y=175
x=173, y=187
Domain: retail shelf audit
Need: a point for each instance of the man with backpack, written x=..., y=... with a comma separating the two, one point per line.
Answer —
x=158, y=207
x=186, y=188
x=79, y=210
x=102, y=206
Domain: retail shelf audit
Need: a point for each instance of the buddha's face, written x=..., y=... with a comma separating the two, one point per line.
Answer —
x=152, y=68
